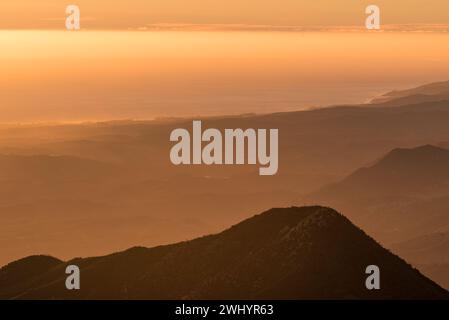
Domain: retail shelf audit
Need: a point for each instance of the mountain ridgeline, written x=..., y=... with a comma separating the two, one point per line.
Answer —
x=403, y=195
x=437, y=91
x=292, y=253
x=94, y=188
x=402, y=200
x=402, y=172
x=113, y=183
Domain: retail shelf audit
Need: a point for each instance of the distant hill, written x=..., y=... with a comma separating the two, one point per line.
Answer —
x=146, y=200
x=402, y=172
x=429, y=92
x=414, y=99
x=403, y=195
x=293, y=253
x=428, y=249
x=26, y=268
x=430, y=253
x=402, y=200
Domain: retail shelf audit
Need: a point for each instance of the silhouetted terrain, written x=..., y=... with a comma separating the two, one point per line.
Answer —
x=437, y=271
x=403, y=201
x=430, y=253
x=309, y=252
x=403, y=195
x=414, y=99
x=21, y=272
x=428, y=92
x=92, y=188
x=428, y=249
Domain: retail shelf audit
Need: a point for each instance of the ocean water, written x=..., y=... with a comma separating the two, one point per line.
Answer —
x=103, y=75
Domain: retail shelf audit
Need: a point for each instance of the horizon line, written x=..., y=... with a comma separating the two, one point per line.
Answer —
x=155, y=27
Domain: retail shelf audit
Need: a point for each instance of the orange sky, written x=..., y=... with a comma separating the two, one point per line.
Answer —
x=69, y=76
x=106, y=14
x=74, y=76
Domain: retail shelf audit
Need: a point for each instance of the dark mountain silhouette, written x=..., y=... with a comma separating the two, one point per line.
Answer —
x=294, y=253
x=20, y=273
x=403, y=201
x=134, y=203
x=437, y=271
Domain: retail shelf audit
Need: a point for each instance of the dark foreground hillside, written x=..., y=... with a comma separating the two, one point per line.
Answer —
x=293, y=253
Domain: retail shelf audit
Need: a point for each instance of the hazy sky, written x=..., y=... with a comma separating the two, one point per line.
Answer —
x=55, y=75
x=72, y=76
x=138, y=13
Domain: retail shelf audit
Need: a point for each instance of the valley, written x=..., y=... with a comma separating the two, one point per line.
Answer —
x=96, y=188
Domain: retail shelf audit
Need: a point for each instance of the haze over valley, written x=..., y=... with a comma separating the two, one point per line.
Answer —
x=89, y=189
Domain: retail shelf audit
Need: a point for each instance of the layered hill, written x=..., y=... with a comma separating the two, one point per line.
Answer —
x=430, y=253
x=436, y=91
x=428, y=249
x=403, y=201
x=403, y=195
x=293, y=253
x=145, y=200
